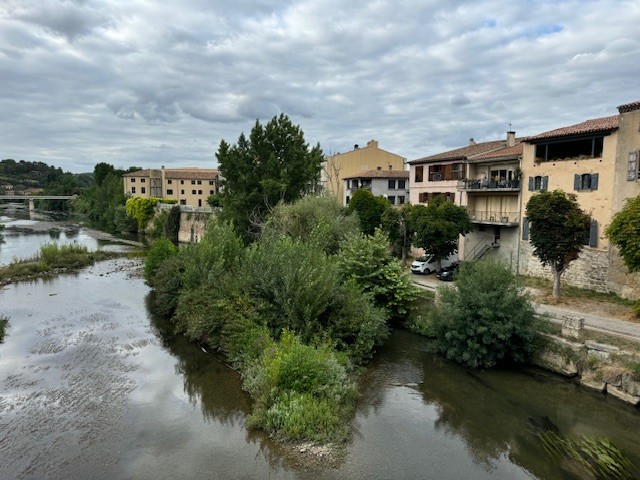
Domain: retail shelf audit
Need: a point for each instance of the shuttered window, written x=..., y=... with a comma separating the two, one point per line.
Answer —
x=586, y=181
x=632, y=166
x=538, y=183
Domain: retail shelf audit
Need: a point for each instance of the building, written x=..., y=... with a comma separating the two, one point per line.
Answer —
x=484, y=178
x=598, y=161
x=359, y=160
x=189, y=186
x=391, y=184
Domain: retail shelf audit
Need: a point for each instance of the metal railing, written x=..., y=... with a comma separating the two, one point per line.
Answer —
x=494, y=216
x=478, y=184
x=482, y=247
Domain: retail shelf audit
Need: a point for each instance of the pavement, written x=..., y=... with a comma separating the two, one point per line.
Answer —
x=596, y=323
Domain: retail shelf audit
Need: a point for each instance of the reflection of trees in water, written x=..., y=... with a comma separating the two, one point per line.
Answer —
x=54, y=234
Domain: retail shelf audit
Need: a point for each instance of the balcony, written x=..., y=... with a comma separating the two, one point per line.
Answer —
x=490, y=185
x=510, y=219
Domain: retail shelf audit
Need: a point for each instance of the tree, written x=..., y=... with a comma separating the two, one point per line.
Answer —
x=437, y=227
x=557, y=232
x=624, y=232
x=369, y=209
x=486, y=318
x=101, y=170
x=274, y=164
x=395, y=222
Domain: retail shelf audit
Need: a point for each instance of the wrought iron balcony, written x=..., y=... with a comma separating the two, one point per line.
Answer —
x=490, y=185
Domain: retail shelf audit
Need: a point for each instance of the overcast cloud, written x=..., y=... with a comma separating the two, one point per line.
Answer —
x=160, y=83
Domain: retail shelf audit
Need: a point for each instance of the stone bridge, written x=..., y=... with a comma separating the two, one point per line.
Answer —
x=31, y=198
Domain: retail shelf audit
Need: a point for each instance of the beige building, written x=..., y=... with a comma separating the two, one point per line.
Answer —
x=189, y=186
x=359, y=160
x=598, y=161
x=484, y=178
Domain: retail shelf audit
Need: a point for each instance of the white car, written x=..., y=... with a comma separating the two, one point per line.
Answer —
x=427, y=264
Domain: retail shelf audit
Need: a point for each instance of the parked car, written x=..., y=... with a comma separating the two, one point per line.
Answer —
x=448, y=274
x=427, y=264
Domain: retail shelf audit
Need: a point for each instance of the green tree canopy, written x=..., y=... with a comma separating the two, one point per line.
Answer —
x=438, y=226
x=395, y=221
x=557, y=232
x=624, y=232
x=369, y=209
x=274, y=164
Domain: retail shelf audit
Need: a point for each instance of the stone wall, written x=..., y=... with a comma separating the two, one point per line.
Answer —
x=192, y=226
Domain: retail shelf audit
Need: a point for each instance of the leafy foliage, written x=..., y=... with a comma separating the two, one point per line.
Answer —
x=314, y=220
x=141, y=209
x=274, y=164
x=369, y=209
x=162, y=249
x=486, y=318
x=624, y=232
x=438, y=226
x=4, y=323
x=367, y=260
x=395, y=221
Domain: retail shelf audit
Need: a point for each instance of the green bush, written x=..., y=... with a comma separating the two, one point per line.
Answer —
x=4, y=323
x=157, y=225
x=367, y=260
x=160, y=251
x=167, y=284
x=171, y=227
x=486, y=318
x=141, y=209
x=369, y=209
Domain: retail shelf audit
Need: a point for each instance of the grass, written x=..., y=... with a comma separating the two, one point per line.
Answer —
x=574, y=292
x=4, y=322
x=52, y=258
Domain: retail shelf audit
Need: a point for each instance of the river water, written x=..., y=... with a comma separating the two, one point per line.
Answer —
x=94, y=385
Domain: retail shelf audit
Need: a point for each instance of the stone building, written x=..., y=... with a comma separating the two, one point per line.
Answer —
x=391, y=184
x=189, y=186
x=597, y=160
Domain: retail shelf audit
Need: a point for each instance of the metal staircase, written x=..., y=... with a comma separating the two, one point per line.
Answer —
x=481, y=248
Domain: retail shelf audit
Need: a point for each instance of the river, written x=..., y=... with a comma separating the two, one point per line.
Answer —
x=94, y=385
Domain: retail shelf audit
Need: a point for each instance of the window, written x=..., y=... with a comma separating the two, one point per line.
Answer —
x=422, y=197
x=199, y=182
x=193, y=192
x=400, y=199
x=418, y=174
x=538, y=183
x=142, y=180
x=435, y=173
x=133, y=180
x=210, y=182
x=632, y=166
x=181, y=182
x=199, y=202
x=199, y=192
x=169, y=192
x=169, y=182
x=586, y=181
x=402, y=184
x=181, y=192
x=347, y=200
x=392, y=185
x=183, y=202
x=591, y=235
x=133, y=189
x=570, y=149
x=193, y=182
x=392, y=199
x=143, y=190
x=210, y=192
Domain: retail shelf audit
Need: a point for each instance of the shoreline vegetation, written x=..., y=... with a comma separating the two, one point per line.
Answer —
x=53, y=259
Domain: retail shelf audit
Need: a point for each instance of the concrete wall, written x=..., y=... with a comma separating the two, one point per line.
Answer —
x=507, y=251
x=380, y=187
x=192, y=226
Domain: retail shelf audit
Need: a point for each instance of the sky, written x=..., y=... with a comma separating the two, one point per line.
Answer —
x=151, y=83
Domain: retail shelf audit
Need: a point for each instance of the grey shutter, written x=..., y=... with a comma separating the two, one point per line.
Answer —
x=593, y=234
x=632, y=165
x=525, y=228
x=594, y=181
x=545, y=183
x=531, y=183
x=576, y=182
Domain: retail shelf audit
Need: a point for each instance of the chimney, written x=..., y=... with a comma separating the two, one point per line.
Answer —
x=472, y=141
x=372, y=143
x=355, y=147
x=511, y=138
x=162, y=167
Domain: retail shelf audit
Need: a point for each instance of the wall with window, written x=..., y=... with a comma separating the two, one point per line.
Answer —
x=138, y=186
x=426, y=180
x=627, y=169
x=396, y=190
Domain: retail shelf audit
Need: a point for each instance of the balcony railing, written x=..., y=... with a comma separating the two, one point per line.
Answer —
x=477, y=184
x=494, y=217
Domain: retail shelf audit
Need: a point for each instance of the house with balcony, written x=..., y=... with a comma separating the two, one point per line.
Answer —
x=486, y=179
x=391, y=184
x=597, y=161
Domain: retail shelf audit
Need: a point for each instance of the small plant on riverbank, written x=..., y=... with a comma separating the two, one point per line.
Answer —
x=4, y=323
x=162, y=249
x=486, y=318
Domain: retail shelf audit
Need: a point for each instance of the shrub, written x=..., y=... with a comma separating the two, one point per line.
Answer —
x=160, y=251
x=367, y=260
x=172, y=225
x=157, y=226
x=4, y=322
x=167, y=283
x=486, y=318
x=141, y=209
x=369, y=209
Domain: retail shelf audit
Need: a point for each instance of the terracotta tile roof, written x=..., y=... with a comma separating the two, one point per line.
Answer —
x=590, y=126
x=629, y=107
x=505, y=152
x=463, y=153
x=381, y=174
x=200, y=174
x=139, y=173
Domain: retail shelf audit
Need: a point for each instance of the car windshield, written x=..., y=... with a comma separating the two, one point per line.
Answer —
x=424, y=258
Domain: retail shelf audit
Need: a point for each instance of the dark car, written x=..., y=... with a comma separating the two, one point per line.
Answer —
x=448, y=274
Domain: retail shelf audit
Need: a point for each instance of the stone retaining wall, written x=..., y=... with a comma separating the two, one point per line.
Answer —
x=192, y=226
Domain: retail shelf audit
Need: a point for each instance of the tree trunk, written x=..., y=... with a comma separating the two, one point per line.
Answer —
x=404, y=245
x=556, y=283
x=438, y=264
x=404, y=257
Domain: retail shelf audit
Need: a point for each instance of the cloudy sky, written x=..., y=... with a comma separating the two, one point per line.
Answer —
x=152, y=83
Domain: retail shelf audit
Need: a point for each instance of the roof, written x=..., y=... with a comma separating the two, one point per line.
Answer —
x=138, y=173
x=506, y=152
x=381, y=174
x=595, y=125
x=179, y=173
x=463, y=153
x=629, y=107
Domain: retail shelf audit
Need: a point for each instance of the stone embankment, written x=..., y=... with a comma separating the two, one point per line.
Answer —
x=598, y=366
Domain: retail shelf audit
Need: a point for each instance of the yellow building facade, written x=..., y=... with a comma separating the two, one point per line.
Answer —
x=188, y=186
x=359, y=160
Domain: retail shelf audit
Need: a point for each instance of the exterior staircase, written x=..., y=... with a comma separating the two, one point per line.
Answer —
x=481, y=248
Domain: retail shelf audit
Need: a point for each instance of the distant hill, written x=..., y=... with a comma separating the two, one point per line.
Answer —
x=30, y=177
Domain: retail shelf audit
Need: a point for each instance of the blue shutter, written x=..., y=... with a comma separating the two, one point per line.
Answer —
x=576, y=182
x=531, y=183
x=525, y=228
x=594, y=181
x=593, y=234
x=545, y=183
